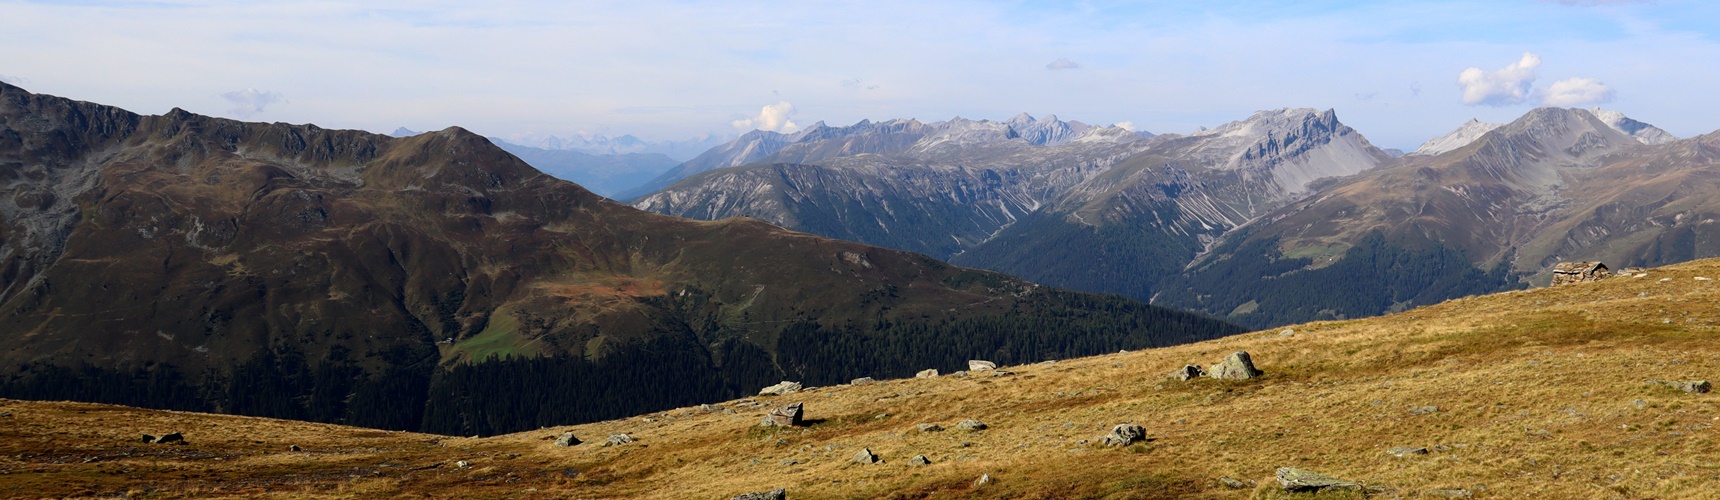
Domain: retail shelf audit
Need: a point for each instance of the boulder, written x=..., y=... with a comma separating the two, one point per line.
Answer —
x=1188, y=372
x=862, y=381
x=566, y=439
x=787, y=416
x=776, y=494
x=865, y=456
x=1690, y=386
x=617, y=440
x=927, y=373
x=785, y=387
x=970, y=425
x=919, y=460
x=1298, y=480
x=1238, y=366
x=1125, y=434
x=959, y=374
x=930, y=427
x=976, y=365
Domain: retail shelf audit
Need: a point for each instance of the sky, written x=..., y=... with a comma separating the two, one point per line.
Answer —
x=1398, y=72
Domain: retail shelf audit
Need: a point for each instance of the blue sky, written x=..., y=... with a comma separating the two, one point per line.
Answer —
x=674, y=70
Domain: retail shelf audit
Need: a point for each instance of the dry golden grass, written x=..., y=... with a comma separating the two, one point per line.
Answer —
x=1538, y=394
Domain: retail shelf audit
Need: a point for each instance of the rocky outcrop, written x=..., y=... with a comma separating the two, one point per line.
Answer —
x=776, y=494
x=566, y=439
x=1299, y=480
x=1124, y=435
x=1238, y=366
x=975, y=365
x=927, y=373
x=785, y=387
x=786, y=416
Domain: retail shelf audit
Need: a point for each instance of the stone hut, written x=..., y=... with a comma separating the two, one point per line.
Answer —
x=1579, y=272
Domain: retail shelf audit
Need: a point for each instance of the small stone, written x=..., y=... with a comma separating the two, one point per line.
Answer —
x=865, y=456
x=927, y=373
x=785, y=387
x=976, y=365
x=776, y=494
x=710, y=408
x=1232, y=483
x=1441, y=448
x=1002, y=373
x=1237, y=366
x=862, y=381
x=930, y=427
x=5, y=414
x=570, y=472
x=463, y=464
x=617, y=440
x=919, y=460
x=1125, y=434
x=984, y=479
x=148, y=438
x=1639, y=404
x=789, y=462
x=1297, y=480
x=1404, y=451
x=960, y=374
x=566, y=439
x=1704, y=278
x=881, y=416
x=970, y=425
x=1450, y=493
x=295, y=448
x=1690, y=386
x=1424, y=410
x=1287, y=332
x=1188, y=372
x=171, y=437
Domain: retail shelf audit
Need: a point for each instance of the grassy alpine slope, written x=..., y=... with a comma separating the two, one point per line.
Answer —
x=1541, y=393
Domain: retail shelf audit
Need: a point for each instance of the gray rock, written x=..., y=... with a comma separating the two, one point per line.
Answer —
x=1002, y=373
x=1232, y=483
x=463, y=464
x=787, y=416
x=1125, y=434
x=1188, y=372
x=1238, y=366
x=566, y=439
x=1450, y=493
x=1638, y=404
x=930, y=427
x=1690, y=386
x=960, y=374
x=865, y=456
x=785, y=387
x=776, y=494
x=1424, y=410
x=927, y=373
x=862, y=381
x=970, y=425
x=919, y=460
x=617, y=440
x=978, y=365
x=171, y=437
x=1296, y=480
x=1404, y=451
x=710, y=408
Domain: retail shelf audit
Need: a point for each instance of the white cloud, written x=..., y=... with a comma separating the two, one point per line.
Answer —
x=1502, y=87
x=1062, y=63
x=1576, y=91
x=1125, y=125
x=772, y=117
x=250, y=101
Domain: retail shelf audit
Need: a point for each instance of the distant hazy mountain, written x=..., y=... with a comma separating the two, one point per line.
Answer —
x=605, y=174
x=1102, y=209
x=681, y=150
x=1554, y=185
x=1465, y=134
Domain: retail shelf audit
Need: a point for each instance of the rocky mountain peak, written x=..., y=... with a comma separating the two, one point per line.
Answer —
x=1647, y=134
x=1462, y=136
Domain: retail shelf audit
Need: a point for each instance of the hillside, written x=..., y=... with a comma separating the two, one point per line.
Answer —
x=195, y=263
x=1544, y=393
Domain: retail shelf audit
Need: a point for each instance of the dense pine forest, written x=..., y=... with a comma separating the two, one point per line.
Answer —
x=674, y=369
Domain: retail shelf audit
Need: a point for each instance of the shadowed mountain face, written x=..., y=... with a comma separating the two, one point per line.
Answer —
x=436, y=282
x=1554, y=185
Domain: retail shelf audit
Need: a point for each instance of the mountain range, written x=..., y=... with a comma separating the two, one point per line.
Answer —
x=1239, y=221
x=436, y=282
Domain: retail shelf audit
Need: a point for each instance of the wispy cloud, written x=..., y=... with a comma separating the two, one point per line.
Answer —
x=1576, y=91
x=249, y=102
x=1062, y=63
